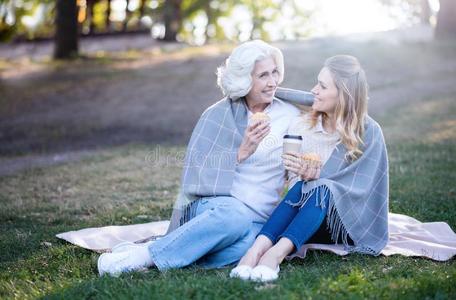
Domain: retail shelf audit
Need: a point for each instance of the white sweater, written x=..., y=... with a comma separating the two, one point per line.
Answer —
x=259, y=179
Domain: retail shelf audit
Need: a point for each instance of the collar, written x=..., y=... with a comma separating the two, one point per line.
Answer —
x=319, y=126
x=267, y=109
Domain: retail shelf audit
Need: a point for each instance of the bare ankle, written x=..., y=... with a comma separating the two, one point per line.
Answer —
x=251, y=258
x=273, y=257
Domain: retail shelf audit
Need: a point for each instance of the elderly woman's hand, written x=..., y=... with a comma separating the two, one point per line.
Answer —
x=253, y=136
x=307, y=170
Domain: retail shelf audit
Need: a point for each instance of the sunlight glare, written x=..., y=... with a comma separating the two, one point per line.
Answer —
x=351, y=16
x=435, y=5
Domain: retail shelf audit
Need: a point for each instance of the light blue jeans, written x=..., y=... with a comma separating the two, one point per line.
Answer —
x=222, y=231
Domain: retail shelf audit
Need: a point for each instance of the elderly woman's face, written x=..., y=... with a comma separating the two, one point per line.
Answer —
x=326, y=93
x=265, y=77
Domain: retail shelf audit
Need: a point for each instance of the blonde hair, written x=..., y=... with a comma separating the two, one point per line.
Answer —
x=351, y=109
x=235, y=77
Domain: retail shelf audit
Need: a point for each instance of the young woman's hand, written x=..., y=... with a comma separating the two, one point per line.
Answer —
x=305, y=169
x=253, y=136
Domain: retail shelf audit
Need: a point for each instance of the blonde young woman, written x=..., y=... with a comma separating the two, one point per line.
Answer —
x=343, y=196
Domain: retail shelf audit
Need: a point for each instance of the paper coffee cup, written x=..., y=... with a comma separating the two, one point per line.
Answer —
x=292, y=143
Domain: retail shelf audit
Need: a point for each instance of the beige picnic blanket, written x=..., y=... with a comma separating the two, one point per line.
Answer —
x=407, y=236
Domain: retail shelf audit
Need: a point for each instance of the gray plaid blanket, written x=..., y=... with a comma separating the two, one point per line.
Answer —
x=211, y=156
x=358, y=190
x=358, y=204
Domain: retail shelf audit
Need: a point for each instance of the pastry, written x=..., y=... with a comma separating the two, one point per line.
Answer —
x=260, y=117
x=312, y=158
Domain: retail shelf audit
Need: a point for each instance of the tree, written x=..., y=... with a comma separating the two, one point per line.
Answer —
x=446, y=20
x=11, y=18
x=212, y=15
x=127, y=16
x=259, y=12
x=142, y=7
x=108, y=16
x=412, y=11
x=172, y=18
x=90, y=14
x=66, y=33
x=213, y=10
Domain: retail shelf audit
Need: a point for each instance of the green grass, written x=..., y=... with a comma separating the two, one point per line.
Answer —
x=128, y=185
x=422, y=155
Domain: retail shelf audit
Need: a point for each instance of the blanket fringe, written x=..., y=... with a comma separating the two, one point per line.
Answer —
x=189, y=212
x=335, y=225
x=337, y=228
x=321, y=191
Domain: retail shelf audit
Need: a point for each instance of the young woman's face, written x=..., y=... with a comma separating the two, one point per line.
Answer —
x=265, y=78
x=325, y=92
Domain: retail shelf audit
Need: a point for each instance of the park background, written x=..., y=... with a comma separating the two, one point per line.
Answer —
x=98, y=100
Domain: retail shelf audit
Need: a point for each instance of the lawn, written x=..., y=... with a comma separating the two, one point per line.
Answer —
x=129, y=185
x=138, y=182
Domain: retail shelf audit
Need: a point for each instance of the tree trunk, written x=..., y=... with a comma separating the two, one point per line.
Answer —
x=90, y=15
x=142, y=7
x=172, y=18
x=210, y=20
x=66, y=33
x=127, y=16
x=108, y=16
x=446, y=20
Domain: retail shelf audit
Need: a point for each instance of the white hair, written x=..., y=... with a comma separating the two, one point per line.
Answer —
x=235, y=77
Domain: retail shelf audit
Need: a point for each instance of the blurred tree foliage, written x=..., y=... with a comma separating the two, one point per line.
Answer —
x=28, y=19
x=445, y=20
x=170, y=20
x=194, y=21
x=413, y=10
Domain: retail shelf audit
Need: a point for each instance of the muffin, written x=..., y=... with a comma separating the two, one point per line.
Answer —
x=312, y=158
x=260, y=117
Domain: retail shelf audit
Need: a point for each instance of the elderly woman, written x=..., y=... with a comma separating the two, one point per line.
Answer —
x=352, y=192
x=233, y=171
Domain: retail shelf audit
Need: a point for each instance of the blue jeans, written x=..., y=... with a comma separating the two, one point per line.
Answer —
x=298, y=224
x=220, y=234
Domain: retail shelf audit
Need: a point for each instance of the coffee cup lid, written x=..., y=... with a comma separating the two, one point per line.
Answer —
x=295, y=137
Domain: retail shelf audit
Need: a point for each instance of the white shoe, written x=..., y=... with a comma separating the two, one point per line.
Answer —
x=243, y=272
x=125, y=246
x=117, y=263
x=263, y=273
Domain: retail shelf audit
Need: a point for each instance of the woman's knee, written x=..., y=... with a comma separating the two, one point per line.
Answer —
x=236, y=216
x=294, y=194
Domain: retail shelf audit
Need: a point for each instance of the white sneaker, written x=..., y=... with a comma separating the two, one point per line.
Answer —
x=243, y=272
x=263, y=273
x=125, y=246
x=117, y=263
